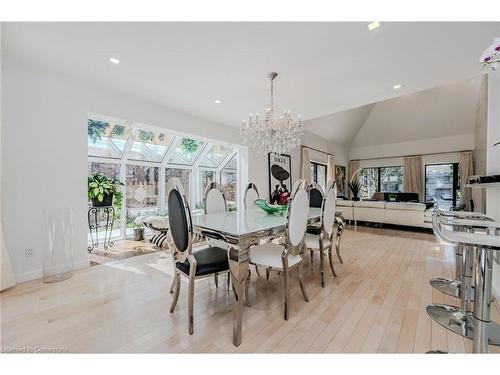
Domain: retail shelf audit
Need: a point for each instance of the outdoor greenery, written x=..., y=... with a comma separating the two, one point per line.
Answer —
x=99, y=186
x=146, y=136
x=189, y=146
x=118, y=130
x=96, y=129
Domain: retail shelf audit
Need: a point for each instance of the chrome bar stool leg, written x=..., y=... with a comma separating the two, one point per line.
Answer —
x=485, y=330
x=451, y=287
x=457, y=319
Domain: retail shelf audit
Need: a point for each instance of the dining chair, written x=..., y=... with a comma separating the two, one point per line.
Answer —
x=324, y=239
x=203, y=263
x=288, y=255
x=316, y=196
x=214, y=201
x=251, y=194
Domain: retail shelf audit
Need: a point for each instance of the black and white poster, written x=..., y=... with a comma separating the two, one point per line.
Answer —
x=280, y=178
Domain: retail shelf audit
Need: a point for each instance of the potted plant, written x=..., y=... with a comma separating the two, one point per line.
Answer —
x=355, y=187
x=101, y=190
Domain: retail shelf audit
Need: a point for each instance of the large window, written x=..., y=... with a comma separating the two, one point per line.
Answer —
x=383, y=179
x=318, y=174
x=182, y=174
x=369, y=179
x=229, y=182
x=142, y=192
x=144, y=158
x=391, y=179
x=442, y=184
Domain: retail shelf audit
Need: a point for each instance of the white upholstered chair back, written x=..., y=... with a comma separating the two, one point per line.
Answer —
x=251, y=194
x=328, y=208
x=214, y=199
x=298, y=214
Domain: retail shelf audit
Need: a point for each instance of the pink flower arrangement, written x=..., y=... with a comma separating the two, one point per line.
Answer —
x=491, y=56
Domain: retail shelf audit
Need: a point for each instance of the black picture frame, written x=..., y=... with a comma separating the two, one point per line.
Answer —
x=285, y=162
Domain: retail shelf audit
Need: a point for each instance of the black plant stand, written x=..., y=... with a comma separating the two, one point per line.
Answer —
x=101, y=217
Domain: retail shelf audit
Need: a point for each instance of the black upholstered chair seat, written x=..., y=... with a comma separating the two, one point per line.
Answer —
x=210, y=260
x=314, y=229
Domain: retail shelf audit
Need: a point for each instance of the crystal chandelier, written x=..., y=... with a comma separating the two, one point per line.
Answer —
x=272, y=134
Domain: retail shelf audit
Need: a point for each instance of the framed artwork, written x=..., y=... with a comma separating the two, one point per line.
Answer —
x=280, y=178
x=340, y=179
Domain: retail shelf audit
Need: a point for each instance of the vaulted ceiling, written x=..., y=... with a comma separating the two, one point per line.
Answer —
x=433, y=113
x=324, y=68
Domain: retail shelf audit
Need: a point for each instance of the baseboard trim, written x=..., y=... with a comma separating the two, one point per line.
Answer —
x=38, y=273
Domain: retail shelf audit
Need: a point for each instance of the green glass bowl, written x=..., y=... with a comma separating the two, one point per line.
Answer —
x=262, y=204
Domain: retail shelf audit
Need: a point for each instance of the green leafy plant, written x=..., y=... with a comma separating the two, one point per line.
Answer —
x=118, y=130
x=145, y=136
x=99, y=186
x=96, y=129
x=355, y=187
x=189, y=146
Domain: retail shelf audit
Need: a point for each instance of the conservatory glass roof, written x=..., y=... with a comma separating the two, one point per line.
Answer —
x=109, y=140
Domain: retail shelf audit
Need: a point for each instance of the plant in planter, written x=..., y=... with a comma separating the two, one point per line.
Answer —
x=101, y=190
x=355, y=187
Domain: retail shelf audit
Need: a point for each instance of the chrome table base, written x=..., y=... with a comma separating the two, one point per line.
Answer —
x=454, y=319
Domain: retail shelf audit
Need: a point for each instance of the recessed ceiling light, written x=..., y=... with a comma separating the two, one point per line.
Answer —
x=395, y=87
x=217, y=101
x=114, y=60
x=373, y=25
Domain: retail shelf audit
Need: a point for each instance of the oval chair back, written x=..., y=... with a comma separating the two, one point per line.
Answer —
x=296, y=185
x=297, y=216
x=315, y=195
x=251, y=194
x=328, y=209
x=179, y=217
x=214, y=199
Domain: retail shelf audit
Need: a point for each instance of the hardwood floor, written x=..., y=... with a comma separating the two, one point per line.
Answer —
x=376, y=304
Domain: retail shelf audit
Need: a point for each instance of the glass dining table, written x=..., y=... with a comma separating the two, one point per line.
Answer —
x=241, y=229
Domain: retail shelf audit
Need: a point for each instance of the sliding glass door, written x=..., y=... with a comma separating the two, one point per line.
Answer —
x=442, y=184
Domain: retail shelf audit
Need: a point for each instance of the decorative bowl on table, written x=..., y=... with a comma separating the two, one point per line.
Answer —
x=270, y=209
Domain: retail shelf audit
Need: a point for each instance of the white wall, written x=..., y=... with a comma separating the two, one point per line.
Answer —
x=480, y=144
x=418, y=147
x=493, y=164
x=44, y=151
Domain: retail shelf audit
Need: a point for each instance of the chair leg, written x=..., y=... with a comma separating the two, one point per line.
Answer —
x=286, y=294
x=172, y=286
x=216, y=280
x=312, y=258
x=337, y=249
x=301, y=280
x=257, y=270
x=321, y=264
x=267, y=274
x=228, y=280
x=330, y=259
x=191, y=304
x=177, y=289
x=247, y=287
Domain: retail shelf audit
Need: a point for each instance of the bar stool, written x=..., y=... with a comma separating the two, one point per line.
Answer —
x=453, y=287
x=478, y=325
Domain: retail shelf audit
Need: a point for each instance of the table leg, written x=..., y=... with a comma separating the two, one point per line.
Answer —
x=238, y=265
